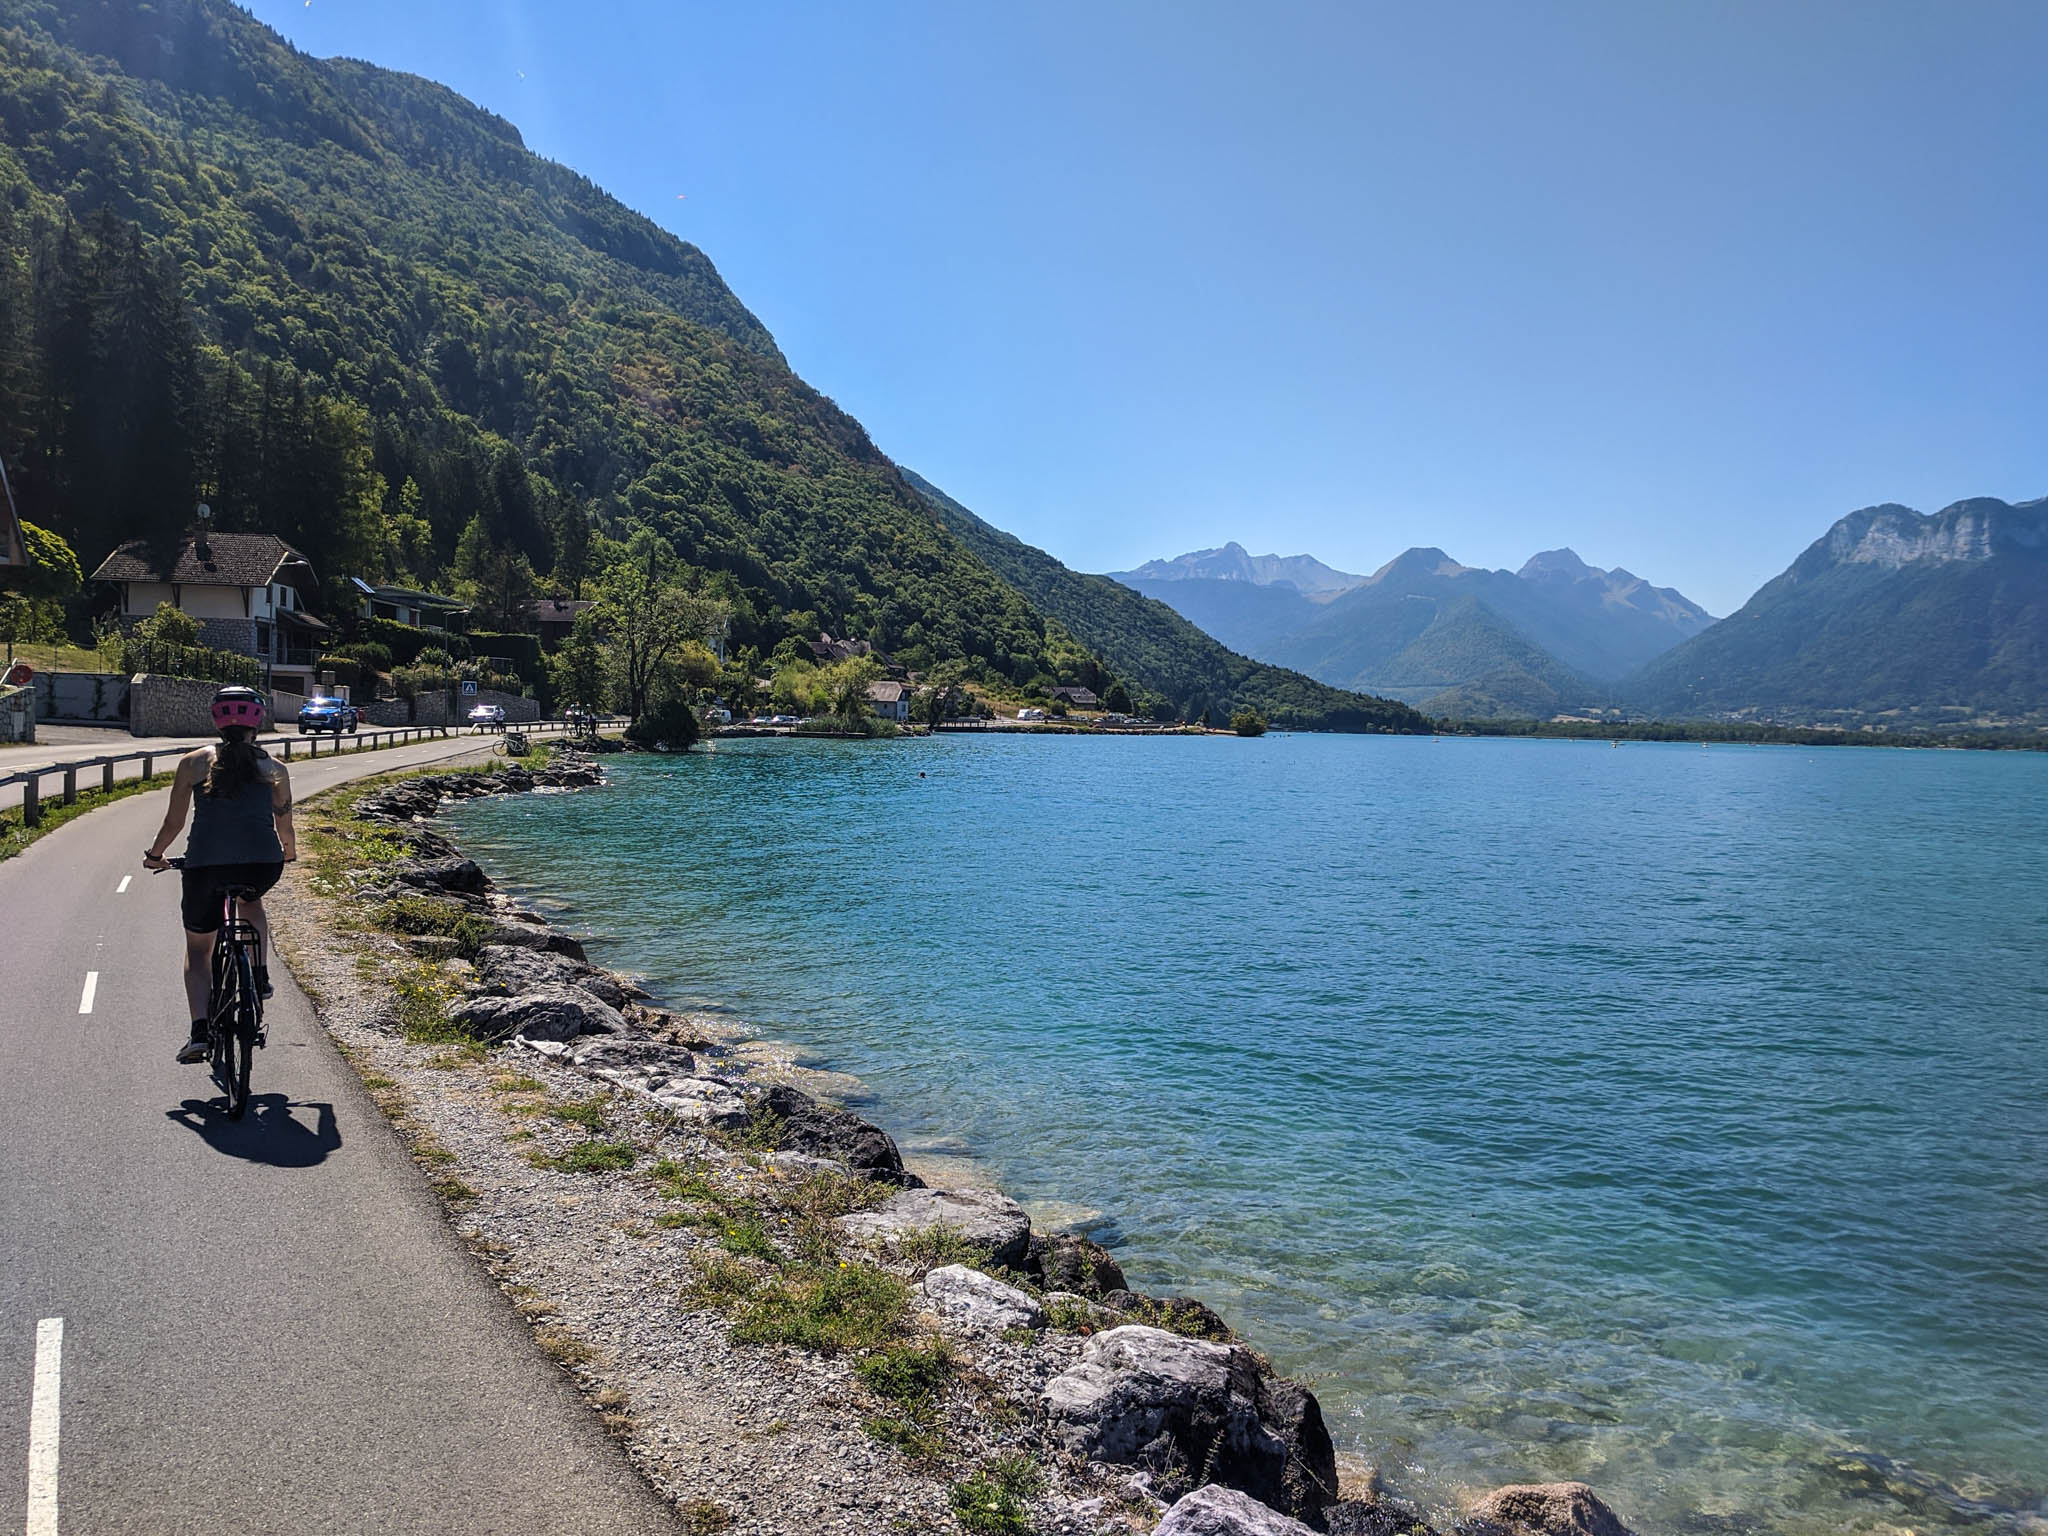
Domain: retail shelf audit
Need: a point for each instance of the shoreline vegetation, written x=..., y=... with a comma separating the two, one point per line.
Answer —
x=1708, y=733
x=745, y=1280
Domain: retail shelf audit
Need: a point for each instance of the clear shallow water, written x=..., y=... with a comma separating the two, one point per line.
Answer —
x=1665, y=1117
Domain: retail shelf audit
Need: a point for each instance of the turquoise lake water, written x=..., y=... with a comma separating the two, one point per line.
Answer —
x=1665, y=1117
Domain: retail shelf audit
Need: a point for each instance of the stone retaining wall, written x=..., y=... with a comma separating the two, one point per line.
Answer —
x=173, y=706
x=95, y=696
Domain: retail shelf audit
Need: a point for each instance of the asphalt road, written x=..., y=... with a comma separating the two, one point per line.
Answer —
x=267, y=1326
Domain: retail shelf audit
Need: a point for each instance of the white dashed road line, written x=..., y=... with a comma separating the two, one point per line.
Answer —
x=92, y=985
x=42, y=1428
x=122, y=888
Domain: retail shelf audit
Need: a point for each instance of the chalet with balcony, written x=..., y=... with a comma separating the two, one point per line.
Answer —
x=244, y=589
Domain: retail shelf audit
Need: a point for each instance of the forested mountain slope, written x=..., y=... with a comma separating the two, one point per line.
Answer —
x=1924, y=619
x=1157, y=649
x=347, y=306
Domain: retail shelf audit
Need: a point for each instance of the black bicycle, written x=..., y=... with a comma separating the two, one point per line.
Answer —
x=234, y=1020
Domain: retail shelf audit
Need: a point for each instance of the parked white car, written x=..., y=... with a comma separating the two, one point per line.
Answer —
x=488, y=717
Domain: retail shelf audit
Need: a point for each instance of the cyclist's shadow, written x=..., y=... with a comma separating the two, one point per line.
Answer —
x=267, y=1133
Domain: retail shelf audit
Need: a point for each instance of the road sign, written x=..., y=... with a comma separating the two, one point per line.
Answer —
x=469, y=685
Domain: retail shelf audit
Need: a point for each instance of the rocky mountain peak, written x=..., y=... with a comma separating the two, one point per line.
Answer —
x=1891, y=536
x=1416, y=565
x=1558, y=565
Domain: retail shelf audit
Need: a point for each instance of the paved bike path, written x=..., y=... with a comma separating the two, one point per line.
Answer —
x=267, y=1326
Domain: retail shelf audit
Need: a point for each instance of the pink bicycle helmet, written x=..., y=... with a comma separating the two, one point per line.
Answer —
x=238, y=706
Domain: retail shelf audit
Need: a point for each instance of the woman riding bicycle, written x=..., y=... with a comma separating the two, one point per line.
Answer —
x=240, y=799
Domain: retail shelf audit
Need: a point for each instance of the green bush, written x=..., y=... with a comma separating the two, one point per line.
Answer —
x=347, y=670
x=167, y=644
x=674, y=722
x=401, y=643
x=1248, y=722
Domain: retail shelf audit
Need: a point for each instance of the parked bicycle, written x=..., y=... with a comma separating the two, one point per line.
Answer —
x=511, y=744
x=234, y=1020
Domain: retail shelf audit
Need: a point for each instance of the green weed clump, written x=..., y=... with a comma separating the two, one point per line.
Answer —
x=1187, y=1320
x=914, y=1439
x=721, y=1283
x=423, y=998
x=830, y=1309
x=909, y=1375
x=935, y=1247
x=749, y=1239
x=588, y=1113
x=674, y=1181
x=429, y=915
x=992, y=1501
x=1069, y=1316
x=588, y=1157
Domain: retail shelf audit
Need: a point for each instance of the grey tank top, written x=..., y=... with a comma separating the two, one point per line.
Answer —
x=236, y=829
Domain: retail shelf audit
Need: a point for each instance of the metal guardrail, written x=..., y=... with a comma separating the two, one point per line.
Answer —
x=31, y=779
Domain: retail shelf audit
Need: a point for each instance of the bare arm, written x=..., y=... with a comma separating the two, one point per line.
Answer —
x=191, y=769
x=281, y=811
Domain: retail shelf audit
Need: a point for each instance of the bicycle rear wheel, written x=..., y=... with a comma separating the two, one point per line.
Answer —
x=234, y=1034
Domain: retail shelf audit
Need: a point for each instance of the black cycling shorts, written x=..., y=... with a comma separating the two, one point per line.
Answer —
x=200, y=905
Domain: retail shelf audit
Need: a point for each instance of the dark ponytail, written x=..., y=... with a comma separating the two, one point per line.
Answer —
x=234, y=762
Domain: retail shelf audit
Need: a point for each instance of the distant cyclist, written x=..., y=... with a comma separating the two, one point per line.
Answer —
x=240, y=798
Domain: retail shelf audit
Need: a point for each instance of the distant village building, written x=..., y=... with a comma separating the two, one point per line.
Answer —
x=243, y=588
x=825, y=650
x=554, y=617
x=890, y=701
x=402, y=605
x=1077, y=698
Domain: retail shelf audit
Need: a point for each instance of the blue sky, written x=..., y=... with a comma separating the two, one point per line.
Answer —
x=1674, y=284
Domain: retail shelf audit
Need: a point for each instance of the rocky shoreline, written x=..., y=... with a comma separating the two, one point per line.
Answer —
x=787, y=1329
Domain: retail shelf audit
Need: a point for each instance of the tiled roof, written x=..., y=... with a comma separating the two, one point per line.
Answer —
x=557, y=610
x=230, y=560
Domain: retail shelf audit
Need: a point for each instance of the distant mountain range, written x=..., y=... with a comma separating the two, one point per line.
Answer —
x=1159, y=650
x=1558, y=634
x=1306, y=574
x=1892, y=616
